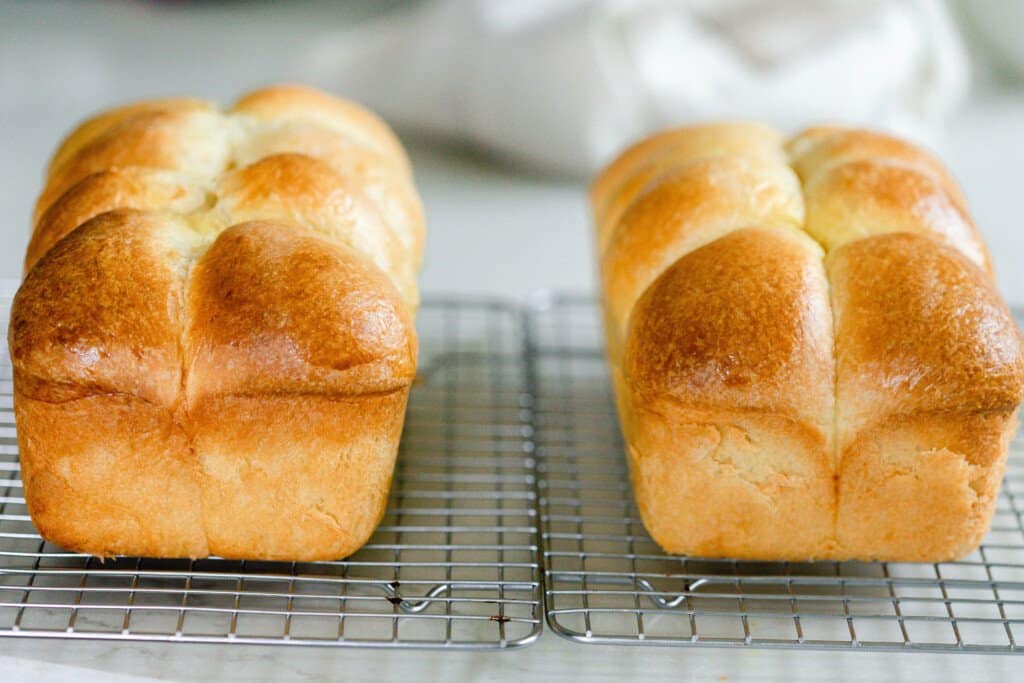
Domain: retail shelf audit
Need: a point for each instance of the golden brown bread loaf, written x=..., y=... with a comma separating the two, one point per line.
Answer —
x=809, y=355
x=214, y=343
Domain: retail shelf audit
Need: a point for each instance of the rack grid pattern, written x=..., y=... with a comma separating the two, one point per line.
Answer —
x=606, y=581
x=454, y=563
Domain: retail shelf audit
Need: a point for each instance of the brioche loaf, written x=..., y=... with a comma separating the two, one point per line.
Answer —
x=213, y=344
x=809, y=355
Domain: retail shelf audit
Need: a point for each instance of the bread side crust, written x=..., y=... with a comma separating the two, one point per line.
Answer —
x=295, y=477
x=288, y=477
x=921, y=487
x=741, y=484
x=110, y=475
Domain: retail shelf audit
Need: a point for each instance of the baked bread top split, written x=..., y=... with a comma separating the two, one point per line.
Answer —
x=181, y=250
x=834, y=277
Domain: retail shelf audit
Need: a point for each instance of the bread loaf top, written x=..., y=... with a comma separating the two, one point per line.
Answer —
x=181, y=251
x=854, y=249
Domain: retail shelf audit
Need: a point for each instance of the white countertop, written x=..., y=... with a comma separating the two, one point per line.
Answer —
x=493, y=230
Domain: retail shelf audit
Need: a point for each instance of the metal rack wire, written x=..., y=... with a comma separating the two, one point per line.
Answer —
x=607, y=582
x=454, y=563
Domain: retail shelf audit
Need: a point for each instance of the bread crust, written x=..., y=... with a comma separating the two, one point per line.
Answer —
x=919, y=329
x=110, y=474
x=305, y=191
x=101, y=312
x=294, y=102
x=273, y=310
x=719, y=328
x=193, y=140
x=131, y=187
x=296, y=477
x=96, y=126
x=822, y=372
x=930, y=373
x=747, y=484
x=620, y=182
x=686, y=208
x=214, y=357
x=388, y=186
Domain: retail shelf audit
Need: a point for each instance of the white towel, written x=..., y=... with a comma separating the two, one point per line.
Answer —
x=565, y=84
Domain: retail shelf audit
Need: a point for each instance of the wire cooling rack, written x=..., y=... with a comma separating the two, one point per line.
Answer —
x=453, y=564
x=607, y=581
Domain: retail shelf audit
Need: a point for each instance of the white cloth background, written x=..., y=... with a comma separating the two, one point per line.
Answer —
x=564, y=84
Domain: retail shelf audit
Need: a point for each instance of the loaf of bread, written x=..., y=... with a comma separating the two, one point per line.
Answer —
x=213, y=344
x=808, y=351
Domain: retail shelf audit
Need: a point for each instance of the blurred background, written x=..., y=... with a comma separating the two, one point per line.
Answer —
x=508, y=107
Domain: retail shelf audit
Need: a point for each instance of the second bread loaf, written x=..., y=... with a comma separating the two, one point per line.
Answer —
x=809, y=355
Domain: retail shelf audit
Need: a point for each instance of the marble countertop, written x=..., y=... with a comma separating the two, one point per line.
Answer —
x=550, y=659
x=493, y=230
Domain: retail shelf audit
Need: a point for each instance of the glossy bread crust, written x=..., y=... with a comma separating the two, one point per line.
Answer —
x=213, y=347
x=809, y=355
x=740, y=431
